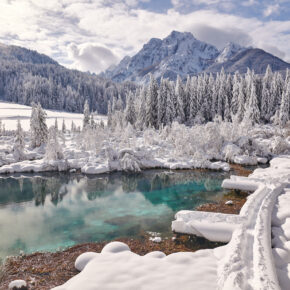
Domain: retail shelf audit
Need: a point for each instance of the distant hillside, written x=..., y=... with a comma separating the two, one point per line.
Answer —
x=16, y=53
x=27, y=76
x=182, y=54
x=254, y=58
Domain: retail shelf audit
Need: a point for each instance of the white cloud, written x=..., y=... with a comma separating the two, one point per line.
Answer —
x=91, y=35
x=249, y=3
x=92, y=57
x=272, y=9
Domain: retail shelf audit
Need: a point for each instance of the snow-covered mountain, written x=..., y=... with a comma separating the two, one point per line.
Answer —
x=182, y=54
x=228, y=52
x=253, y=58
x=177, y=54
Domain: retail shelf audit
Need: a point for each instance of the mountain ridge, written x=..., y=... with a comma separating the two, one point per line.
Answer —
x=180, y=53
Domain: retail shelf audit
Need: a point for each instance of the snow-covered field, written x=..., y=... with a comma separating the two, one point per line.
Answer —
x=10, y=113
x=246, y=262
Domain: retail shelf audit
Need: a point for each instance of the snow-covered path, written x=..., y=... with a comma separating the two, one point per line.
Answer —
x=281, y=238
x=249, y=262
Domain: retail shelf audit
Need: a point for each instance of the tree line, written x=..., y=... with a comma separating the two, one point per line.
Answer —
x=249, y=97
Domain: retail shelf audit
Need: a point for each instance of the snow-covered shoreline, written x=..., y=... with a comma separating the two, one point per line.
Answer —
x=101, y=150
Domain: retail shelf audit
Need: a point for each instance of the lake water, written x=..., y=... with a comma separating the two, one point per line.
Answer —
x=51, y=211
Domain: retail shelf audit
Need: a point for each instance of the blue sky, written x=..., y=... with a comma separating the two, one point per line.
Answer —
x=94, y=34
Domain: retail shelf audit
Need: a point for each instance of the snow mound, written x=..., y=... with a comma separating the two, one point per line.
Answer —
x=84, y=259
x=116, y=267
x=155, y=239
x=17, y=284
x=115, y=247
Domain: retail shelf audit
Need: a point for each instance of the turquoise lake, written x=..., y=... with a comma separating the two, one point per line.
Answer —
x=49, y=212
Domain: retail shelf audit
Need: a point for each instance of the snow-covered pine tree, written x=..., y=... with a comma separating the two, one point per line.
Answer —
x=179, y=92
x=187, y=91
x=63, y=127
x=38, y=127
x=19, y=144
x=252, y=113
x=192, y=100
x=241, y=101
x=266, y=94
x=285, y=107
x=73, y=127
x=162, y=102
x=53, y=149
x=276, y=90
x=56, y=124
x=227, y=110
x=170, y=108
x=119, y=104
x=287, y=79
x=215, y=92
x=236, y=89
x=141, y=111
x=249, y=78
x=92, y=122
x=114, y=104
x=109, y=114
x=130, y=113
x=86, y=120
x=200, y=91
x=222, y=93
x=204, y=99
x=152, y=103
x=210, y=89
x=228, y=98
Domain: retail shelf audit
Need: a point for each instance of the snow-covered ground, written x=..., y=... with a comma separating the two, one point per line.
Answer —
x=246, y=262
x=100, y=149
x=10, y=113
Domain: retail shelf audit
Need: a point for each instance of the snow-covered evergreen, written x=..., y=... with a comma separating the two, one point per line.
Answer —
x=86, y=120
x=201, y=98
x=38, y=127
x=63, y=127
x=19, y=144
x=53, y=148
x=130, y=113
x=285, y=107
x=152, y=103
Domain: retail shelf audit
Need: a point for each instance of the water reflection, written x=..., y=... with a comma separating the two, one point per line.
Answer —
x=49, y=211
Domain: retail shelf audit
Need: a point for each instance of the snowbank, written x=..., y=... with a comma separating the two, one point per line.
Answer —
x=281, y=238
x=119, y=268
x=215, y=227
